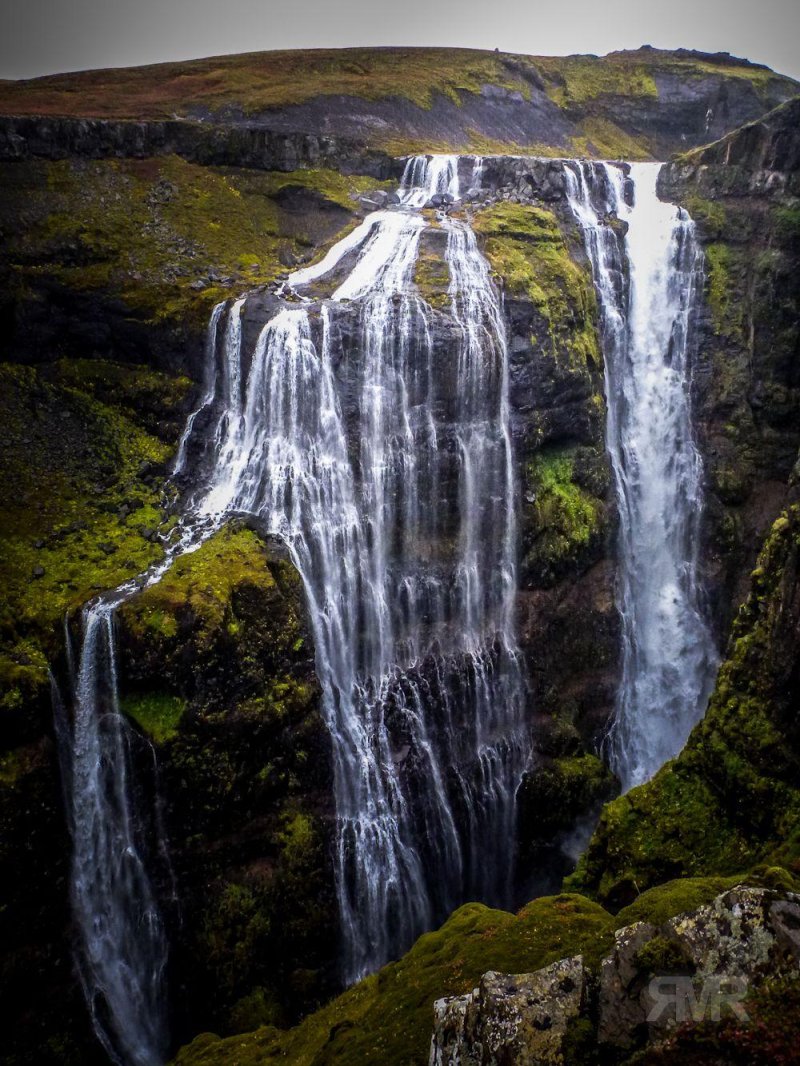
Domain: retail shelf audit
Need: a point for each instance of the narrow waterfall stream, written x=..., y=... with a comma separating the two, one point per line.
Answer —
x=647, y=283
x=124, y=950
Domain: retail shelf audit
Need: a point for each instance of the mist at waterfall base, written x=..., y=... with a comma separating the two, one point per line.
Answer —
x=370, y=434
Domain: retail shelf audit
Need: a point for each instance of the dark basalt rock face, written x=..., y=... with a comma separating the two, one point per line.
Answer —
x=209, y=145
x=746, y=386
x=217, y=668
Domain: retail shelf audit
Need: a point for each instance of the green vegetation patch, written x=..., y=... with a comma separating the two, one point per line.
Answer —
x=78, y=507
x=602, y=137
x=170, y=238
x=526, y=248
x=157, y=713
x=432, y=278
x=709, y=214
x=566, y=518
x=388, y=1017
x=201, y=584
x=257, y=81
x=573, y=80
x=787, y=222
x=727, y=311
x=583, y=79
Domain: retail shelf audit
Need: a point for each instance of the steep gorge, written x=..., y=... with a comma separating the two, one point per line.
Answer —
x=215, y=685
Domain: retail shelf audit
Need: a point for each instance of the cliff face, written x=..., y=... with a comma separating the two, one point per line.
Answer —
x=746, y=390
x=136, y=254
x=218, y=671
x=215, y=664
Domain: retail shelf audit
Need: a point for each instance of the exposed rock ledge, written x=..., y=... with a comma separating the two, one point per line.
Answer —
x=198, y=142
x=702, y=963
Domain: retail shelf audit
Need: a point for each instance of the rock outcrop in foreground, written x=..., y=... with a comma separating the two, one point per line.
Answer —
x=696, y=966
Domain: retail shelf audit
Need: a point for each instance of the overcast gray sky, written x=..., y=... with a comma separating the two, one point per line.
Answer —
x=47, y=36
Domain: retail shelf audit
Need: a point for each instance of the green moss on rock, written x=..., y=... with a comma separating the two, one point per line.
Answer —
x=527, y=250
x=157, y=713
x=556, y=795
x=566, y=521
x=725, y=310
x=432, y=279
x=731, y=799
x=200, y=585
x=576, y=79
x=78, y=491
x=167, y=237
x=387, y=1018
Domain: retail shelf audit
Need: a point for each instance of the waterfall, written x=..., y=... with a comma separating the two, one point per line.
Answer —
x=394, y=492
x=123, y=947
x=647, y=283
x=388, y=473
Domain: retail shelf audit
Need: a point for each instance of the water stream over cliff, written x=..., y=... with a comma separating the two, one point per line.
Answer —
x=647, y=282
x=397, y=504
x=370, y=434
x=395, y=498
x=123, y=951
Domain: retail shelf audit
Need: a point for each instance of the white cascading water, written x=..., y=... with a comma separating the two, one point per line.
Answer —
x=122, y=943
x=410, y=590
x=386, y=468
x=123, y=951
x=402, y=525
x=647, y=283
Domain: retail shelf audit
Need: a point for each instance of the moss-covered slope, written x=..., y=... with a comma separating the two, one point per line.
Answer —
x=217, y=668
x=387, y=1019
x=732, y=798
x=127, y=257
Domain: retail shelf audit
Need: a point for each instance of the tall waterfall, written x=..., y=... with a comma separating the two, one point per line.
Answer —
x=394, y=492
x=387, y=471
x=647, y=283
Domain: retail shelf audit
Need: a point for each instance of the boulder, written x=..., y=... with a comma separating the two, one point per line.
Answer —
x=511, y=1019
x=697, y=965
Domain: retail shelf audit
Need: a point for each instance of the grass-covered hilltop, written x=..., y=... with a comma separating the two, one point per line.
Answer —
x=637, y=104
x=132, y=202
